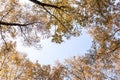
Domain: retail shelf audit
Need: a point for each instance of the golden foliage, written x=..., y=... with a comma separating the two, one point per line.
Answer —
x=59, y=19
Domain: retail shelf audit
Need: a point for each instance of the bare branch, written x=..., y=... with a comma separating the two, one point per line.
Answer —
x=47, y=5
x=6, y=13
x=16, y=24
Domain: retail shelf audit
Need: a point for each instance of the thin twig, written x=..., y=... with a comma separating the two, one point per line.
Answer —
x=56, y=19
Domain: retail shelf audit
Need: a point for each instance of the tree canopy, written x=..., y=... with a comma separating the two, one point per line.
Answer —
x=62, y=19
x=59, y=20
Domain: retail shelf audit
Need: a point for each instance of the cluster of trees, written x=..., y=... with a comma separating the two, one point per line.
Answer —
x=60, y=19
x=15, y=66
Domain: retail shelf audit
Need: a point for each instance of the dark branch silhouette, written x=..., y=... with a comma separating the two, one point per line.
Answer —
x=16, y=24
x=47, y=5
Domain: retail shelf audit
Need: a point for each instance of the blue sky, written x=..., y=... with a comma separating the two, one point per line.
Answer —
x=51, y=52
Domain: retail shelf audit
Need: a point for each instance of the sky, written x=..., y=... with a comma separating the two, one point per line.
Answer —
x=52, y=52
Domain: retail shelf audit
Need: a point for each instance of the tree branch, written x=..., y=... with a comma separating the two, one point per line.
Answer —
x=57, y=19
x=16, y=24
x=44, y=4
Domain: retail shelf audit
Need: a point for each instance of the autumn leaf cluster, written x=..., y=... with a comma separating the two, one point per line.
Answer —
x=59, y=20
